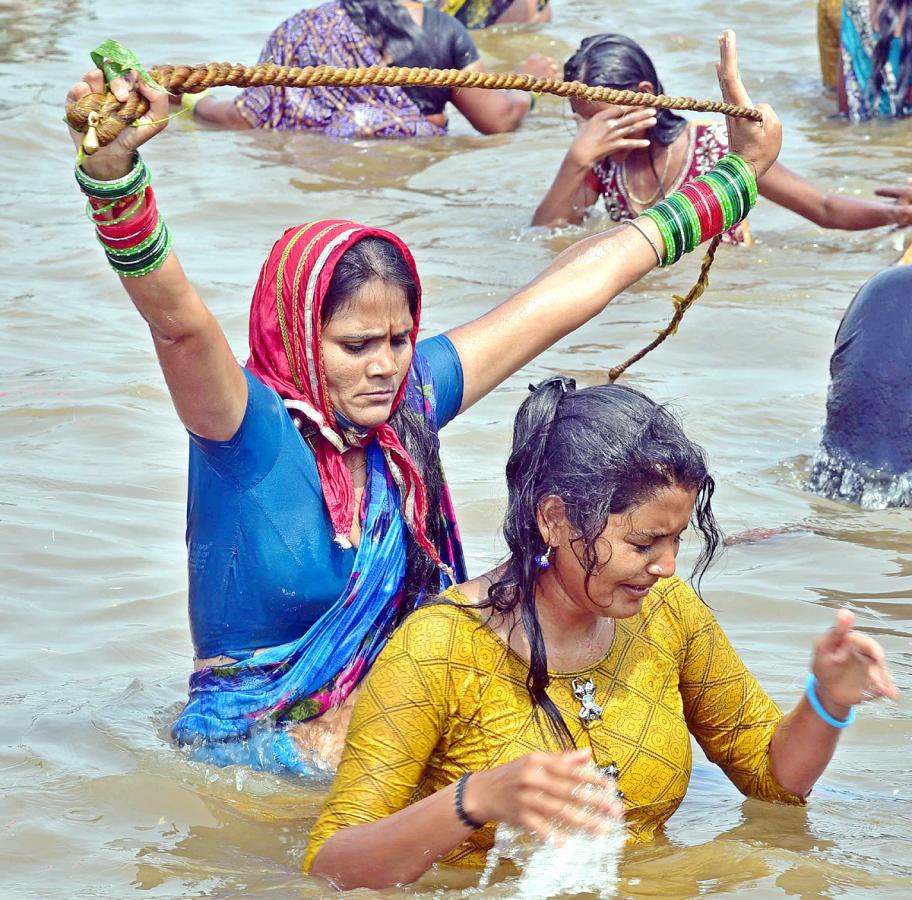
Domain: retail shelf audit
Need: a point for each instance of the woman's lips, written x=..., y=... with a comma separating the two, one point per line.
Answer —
x=378, y=396
x=637, y=591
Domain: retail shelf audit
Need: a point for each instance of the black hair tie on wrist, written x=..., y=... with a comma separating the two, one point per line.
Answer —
x=458, y=802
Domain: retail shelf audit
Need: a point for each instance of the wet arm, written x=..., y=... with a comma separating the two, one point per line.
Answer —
x=220, y=112
x=398, y=849
x=803, y=746
x=790, y=190
x=577, y=286
x=491, y=112
x=206, y=383
x=568, y=198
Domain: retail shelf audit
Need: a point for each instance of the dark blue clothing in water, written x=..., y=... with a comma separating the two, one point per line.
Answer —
x=263, y=565
x=867, y=440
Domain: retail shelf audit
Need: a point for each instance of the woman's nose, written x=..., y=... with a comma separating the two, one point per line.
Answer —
x=383, y=365
x=664, y=566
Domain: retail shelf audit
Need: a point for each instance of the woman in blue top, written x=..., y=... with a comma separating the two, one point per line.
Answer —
x=311, y=533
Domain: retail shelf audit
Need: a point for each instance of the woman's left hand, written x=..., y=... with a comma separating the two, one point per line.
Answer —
x=902, y=194
x=850, y=667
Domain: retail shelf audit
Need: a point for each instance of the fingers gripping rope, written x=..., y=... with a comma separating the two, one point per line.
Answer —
x=112, y=116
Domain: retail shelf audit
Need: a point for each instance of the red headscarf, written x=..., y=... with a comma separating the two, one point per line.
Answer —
x=286, y=354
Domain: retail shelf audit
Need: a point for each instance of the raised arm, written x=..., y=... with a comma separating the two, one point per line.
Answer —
x=788, y=189
x=584, y=279
x=206, y=383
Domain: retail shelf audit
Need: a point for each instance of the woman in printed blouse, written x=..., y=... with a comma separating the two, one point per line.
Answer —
x=360, y=33
x=634, y=157
x=876, y=59
x=583, y=647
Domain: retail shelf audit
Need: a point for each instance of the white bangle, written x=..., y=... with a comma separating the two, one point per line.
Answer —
x=642, y=231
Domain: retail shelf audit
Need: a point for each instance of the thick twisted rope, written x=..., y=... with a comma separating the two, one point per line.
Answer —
x=111, y=116
x=101, y=117
x=681, y=305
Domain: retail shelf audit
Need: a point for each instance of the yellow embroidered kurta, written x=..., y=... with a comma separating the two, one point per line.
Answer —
x=447, y=696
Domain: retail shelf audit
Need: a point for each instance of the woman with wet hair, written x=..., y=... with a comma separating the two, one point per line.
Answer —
x=317, y=513
x=876, y=41
x=633, y=158
x=582, y=648
x=361, y=33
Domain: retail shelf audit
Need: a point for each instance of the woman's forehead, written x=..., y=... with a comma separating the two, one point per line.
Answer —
x=376, y=306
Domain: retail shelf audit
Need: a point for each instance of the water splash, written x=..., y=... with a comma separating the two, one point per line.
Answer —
x=840, y=479
x=568, y=862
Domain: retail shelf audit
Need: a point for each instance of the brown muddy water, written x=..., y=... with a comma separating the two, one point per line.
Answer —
x=94, y=802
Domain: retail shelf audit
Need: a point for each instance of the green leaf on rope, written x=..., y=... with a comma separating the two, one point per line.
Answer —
x=115, y=61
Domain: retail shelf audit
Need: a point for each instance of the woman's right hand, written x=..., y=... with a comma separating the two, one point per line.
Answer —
x=757, y=143
x=115, y=159
x=607, y=132
x=543, y=791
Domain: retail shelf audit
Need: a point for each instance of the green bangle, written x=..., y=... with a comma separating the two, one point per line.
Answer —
x=718, y=186
x=668, y=239
x=691, y=219
x=145, y=264
x=119, y=188
x=750, y=176
x=737, y=192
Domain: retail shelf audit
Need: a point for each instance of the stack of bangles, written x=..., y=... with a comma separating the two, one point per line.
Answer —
x=703, y=208
x=135, y=239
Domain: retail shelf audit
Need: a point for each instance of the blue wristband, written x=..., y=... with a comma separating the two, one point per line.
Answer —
x=810, y=688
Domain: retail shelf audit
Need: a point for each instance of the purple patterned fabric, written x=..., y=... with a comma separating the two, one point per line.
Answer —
x=327, y=36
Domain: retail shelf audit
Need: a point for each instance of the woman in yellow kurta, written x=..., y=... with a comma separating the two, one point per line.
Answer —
x=582, y=639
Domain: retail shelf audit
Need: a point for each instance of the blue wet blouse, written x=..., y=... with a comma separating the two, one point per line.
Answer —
x=262, y=562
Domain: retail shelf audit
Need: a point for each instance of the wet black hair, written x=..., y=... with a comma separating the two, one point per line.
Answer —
x=890, y=15
x=392, y=30
x=374, y=258
x=603, y=451
x=616, y=61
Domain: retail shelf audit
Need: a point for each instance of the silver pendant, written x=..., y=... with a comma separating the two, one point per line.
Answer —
x=584, y=691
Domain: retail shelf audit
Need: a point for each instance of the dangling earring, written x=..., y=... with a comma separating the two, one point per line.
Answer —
x=543, y=560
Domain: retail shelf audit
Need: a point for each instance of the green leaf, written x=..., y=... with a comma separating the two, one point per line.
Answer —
x=115, y=61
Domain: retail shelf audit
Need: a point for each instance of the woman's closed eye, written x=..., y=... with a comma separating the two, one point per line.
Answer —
x=645, y=548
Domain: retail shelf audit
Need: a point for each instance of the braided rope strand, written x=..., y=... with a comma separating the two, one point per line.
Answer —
x=112, y=116
x=681, y=305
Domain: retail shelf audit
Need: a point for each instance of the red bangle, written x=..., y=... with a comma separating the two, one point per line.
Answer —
x=706, y=201
x=124, y=230
x=704, y=213
x=119, y=207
